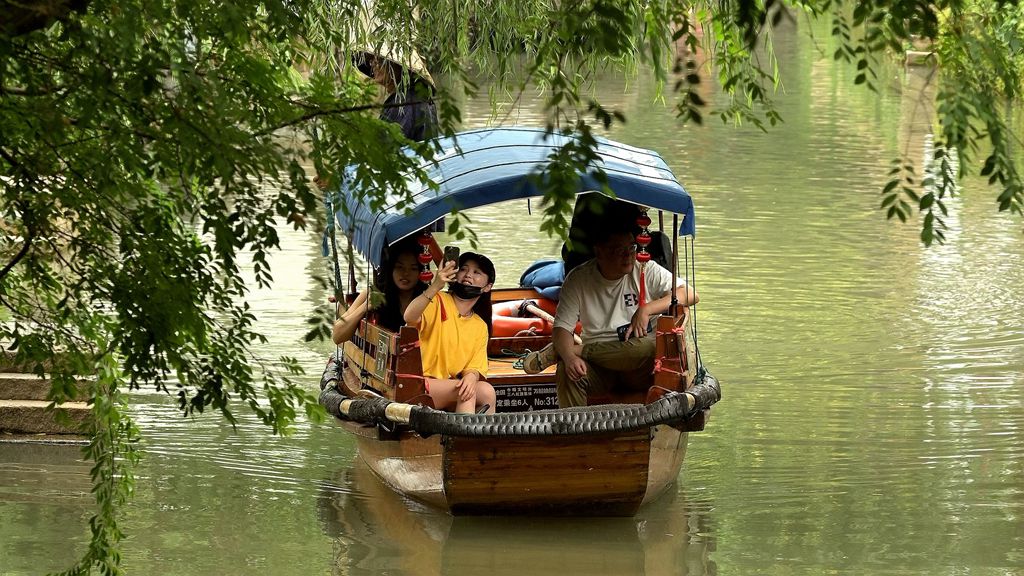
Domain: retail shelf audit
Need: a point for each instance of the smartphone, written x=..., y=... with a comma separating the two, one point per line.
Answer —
x=451, y=254
x=621, y=330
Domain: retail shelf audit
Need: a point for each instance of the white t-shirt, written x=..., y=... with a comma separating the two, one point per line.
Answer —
x=603, y=305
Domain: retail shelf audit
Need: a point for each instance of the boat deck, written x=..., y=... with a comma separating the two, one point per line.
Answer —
x=502, y=368
x=516, y=390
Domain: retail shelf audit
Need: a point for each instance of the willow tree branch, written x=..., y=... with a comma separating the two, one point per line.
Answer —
x=316, y=113
x=25, y=247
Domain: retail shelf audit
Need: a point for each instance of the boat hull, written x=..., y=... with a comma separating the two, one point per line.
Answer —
x=584, y=475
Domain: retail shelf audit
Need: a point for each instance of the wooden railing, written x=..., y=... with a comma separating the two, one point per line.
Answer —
x=387, y=362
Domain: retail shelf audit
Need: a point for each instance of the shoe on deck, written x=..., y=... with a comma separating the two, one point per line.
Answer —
x=536, y=362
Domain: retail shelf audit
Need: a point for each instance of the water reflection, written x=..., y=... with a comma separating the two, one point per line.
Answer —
x=44, y=499
x=375, y=529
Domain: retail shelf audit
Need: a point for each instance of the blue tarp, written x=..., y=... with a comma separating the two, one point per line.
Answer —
x=544, y=276
x=493, y=165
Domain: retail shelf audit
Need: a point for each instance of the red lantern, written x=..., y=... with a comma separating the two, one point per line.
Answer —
x=643, y=257
x=643, y=239
x=643, y=220
x=424, y=257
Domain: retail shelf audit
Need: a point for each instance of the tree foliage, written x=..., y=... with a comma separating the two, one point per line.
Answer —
x=148, y=147
x=977, y=45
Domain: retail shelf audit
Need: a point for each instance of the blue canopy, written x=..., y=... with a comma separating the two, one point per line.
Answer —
x=493, y=165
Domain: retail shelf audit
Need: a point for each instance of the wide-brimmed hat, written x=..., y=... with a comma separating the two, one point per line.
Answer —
x=412, y=65
x=407, y=59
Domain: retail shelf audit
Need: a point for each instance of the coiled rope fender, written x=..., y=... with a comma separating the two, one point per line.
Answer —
x=672, y=408
x=332, y=373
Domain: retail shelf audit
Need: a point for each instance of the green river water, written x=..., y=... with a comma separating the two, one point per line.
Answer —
x=872, y=413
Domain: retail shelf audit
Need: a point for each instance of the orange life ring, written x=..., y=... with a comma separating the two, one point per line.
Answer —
x=506, y=322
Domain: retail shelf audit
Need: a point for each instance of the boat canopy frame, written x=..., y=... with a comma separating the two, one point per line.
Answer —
x=486, y=166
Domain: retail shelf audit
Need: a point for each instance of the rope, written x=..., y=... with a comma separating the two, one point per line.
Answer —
x=413, y=376
x=331, y=230
x=659, y=367
x=520, y=356
x=338, y=290
x=334, y=245
x=693, y=309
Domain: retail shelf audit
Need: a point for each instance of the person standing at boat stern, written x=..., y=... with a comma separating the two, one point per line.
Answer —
x=454, y=328
x=410, y=99
x=604, y=295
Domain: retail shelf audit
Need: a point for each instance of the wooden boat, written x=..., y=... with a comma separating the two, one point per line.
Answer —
x=606, y=459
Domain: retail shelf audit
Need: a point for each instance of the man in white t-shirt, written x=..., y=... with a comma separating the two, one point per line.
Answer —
x=603, y=294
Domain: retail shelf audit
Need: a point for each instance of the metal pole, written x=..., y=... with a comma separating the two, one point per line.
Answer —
x=675, y=258
x=351, y=296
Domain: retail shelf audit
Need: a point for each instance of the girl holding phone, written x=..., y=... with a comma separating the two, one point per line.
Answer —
x=454, y=328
